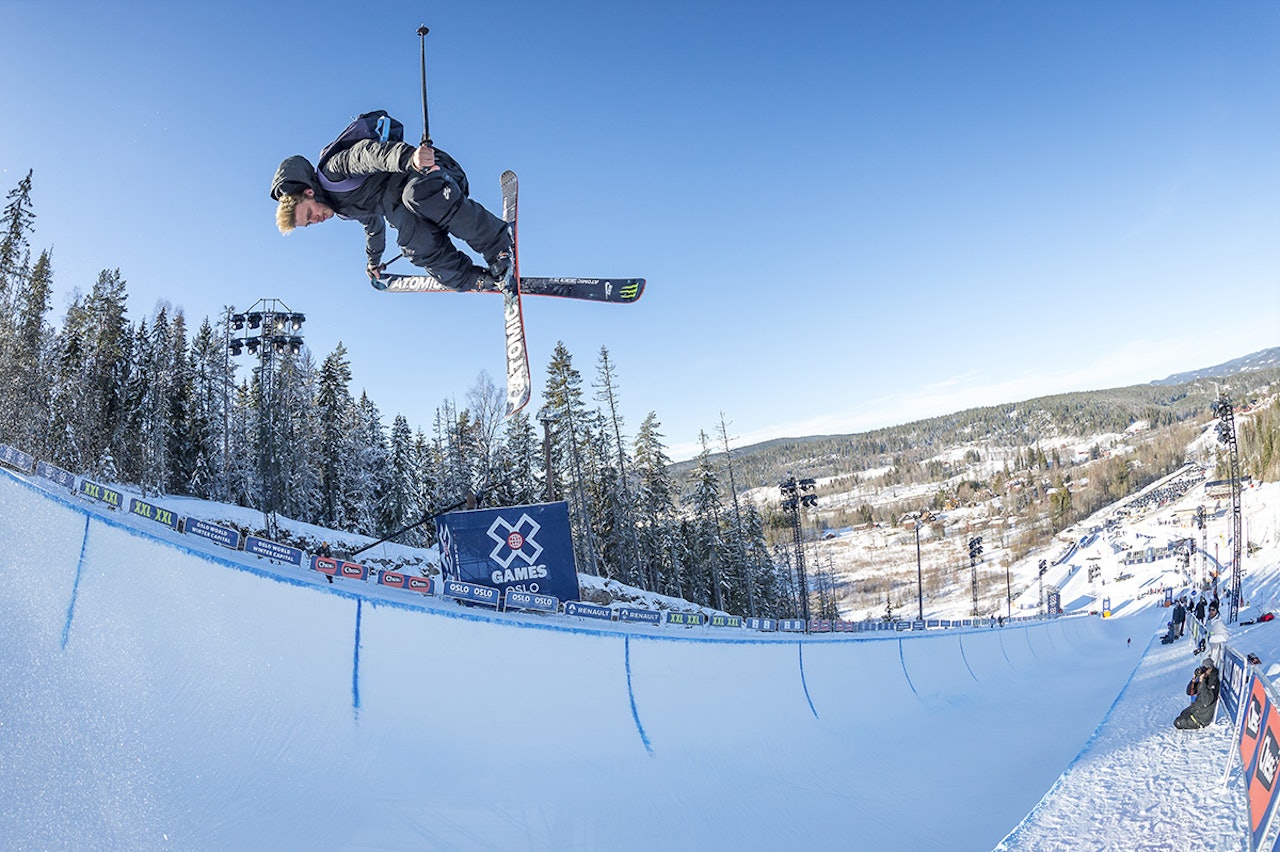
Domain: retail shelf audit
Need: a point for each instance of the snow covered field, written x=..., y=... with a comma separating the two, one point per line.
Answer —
x=160, y=693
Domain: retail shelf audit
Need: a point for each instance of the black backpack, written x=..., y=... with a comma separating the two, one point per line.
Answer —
x=372, y=125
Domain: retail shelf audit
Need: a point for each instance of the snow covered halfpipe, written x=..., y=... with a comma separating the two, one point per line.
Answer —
x=155, y=694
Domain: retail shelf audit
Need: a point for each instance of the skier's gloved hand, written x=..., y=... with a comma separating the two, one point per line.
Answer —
x=375, y=269
x=424, y=158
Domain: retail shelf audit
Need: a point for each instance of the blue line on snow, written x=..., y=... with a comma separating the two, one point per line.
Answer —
x=805, y=683
x=75, y=587
x=966, y=658
x=631, y=693
x=1029, y=645
x=1000, y=637
x=902, y=659
x=355, y=664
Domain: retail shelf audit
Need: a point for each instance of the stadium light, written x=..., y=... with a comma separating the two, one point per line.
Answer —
x=271, y=333
x=922, y=517
x=797, y=495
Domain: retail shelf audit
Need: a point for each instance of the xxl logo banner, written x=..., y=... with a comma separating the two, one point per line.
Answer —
x=525, y=548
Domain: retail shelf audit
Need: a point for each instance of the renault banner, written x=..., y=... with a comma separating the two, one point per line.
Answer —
x=524, y=548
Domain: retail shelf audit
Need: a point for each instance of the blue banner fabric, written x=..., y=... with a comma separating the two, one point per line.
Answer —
x=273, y=550
x=56, y=474
x=15, y=457
x=644, y=616
x=486, y=595
x=587, y=610
x=516, y=599
x=522, y=548
x=213, y=532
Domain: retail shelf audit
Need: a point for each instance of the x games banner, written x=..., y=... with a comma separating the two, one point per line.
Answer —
x=525, y=548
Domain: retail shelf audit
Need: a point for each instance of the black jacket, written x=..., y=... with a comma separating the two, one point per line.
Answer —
x=380, y=170
x=384, y=167
x=1201, y=711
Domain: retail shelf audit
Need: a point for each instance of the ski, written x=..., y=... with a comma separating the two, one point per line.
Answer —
x=518, y=379
x=620, y=291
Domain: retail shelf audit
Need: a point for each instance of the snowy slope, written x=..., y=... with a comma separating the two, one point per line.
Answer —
x=153, y=695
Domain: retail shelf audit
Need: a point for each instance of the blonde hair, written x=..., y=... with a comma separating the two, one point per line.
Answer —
x=285, y=212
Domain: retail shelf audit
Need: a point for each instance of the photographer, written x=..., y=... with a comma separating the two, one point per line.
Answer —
x=1204, y=686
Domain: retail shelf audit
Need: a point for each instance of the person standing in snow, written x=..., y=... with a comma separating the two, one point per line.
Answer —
x=421, y=191
x=1204, y=686
x=1179, y=618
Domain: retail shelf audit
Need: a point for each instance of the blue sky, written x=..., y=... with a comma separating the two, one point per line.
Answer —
x=850, y=214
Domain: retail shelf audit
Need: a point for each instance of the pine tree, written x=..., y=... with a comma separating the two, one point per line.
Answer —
x=739, y=572
x=426, y=469
x=180, y=452
x=141, y=456
x=28, y=359
x=401, y=502
x=562, y=396
x=207, y=415
x=655, y=502
x=367, y=494
x=622, y=541
x=706, y=540
x=519, y=465
x=96, y=347
x=242, y=485
x=333, y=407
x=462, y=458
x=299, y=436
x=17, y=223
x=770, y=595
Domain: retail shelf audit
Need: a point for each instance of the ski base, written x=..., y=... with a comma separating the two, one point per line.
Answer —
x=519, y=380
x=621, y=291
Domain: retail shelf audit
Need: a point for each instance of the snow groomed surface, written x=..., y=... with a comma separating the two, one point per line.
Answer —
x=155, y=694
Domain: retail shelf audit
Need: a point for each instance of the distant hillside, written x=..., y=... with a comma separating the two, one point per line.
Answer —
x=1032, y=422
x=1267, y=359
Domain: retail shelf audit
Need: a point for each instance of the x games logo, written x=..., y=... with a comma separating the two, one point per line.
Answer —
x=515, y=541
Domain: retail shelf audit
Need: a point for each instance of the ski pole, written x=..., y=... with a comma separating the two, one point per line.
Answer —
x=426, y=127
x=471, y=501
x=466, y=501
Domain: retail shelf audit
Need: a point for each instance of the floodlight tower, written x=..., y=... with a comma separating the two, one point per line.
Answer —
x=796, y=494
x=922, y=517
x=975, y=553
x=268, y=329
x=1225, y=412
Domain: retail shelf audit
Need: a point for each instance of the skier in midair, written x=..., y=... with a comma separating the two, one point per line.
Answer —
x=421, y=191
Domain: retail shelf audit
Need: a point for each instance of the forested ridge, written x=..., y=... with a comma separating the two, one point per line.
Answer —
x=1042, y=421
